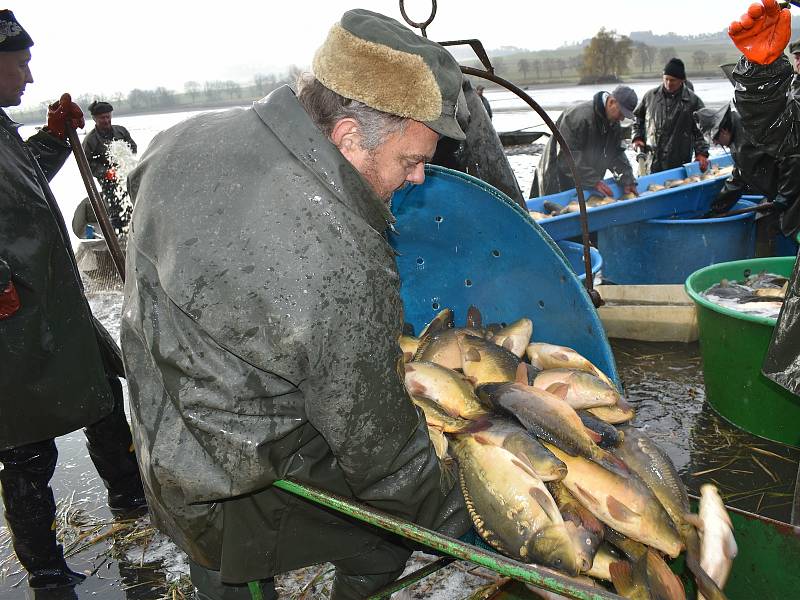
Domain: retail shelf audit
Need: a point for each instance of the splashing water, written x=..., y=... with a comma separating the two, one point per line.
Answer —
x=123, y=161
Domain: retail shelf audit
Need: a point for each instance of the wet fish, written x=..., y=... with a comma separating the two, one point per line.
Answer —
x=515, y=337
x=549, y=356
x=579, y=389
x=610, y=436
x=409, y=345
x=624, y=503
x=586, y=531
x=436, y=416
x=441, y=347
x=629, y=196
x=538, y=216
x=510, y=507
x=511, y=436
x=602, y=561
x=649, y=578
x=549, y=418
x=485, y=362
x=631, y=549
x=717, y=545
x=551, y=207
x=451, y=390
x=443, y=320
x=439, y=441
x=655, y=187
x=619, y=413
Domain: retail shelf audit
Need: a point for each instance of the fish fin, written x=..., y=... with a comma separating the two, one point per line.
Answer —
x=545, y=500
x=706, y=586
x=521, y=374
x=559, y=389
x=588, y=496
x=669, y=586
x=524, y=465
x=472, y=355
x=694, y=520
x=415, y=388
x=560, y=356
x=408, y=357
x=729, y=547
x=474, y=317
x=619, y=511
x=621, y=576
x=595, y=437
x=478, y=426
x=508, y=344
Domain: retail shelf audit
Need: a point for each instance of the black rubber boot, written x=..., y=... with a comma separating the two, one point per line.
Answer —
x=30, y=514
x=209, y=586
x=111, y=449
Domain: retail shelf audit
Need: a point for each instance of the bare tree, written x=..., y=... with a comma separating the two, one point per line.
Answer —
x=645, y=55
x=561, y=66
x=666, y=53
x=536, y=64
x=549, y=66
x=719, y=58
x=192, y=88
x=524, y=66
x=700, y=58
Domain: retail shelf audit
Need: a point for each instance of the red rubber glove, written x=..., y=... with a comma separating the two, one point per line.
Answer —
x=630, y=189
x=702, y=160
x=62, y=112
x=601, y=187
x=638, y=143
x=762, y=32
x=9, y=299
x=111, y=175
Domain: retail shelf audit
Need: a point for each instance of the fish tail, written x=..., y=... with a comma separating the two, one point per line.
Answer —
x=705, y=585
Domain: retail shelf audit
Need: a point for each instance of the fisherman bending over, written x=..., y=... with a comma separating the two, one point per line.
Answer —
x=262, y=314
x=594, y=136
x=96, y=146
x=59, y=367
x=663, y=124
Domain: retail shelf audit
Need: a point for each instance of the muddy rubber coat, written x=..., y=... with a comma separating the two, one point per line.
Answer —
x=52, y=373
x=260, y=328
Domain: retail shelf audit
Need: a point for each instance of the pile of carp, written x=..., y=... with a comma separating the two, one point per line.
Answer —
x=553, y=209
x=550, y=470
x=759, y=294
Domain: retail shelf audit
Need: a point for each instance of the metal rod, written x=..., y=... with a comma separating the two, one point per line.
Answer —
x=97, y=203
x=536, y=576
x=764, y=206
x=587, y=261
x=412, y=578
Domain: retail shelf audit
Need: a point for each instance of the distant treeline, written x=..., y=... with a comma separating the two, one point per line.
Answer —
x=195, y=94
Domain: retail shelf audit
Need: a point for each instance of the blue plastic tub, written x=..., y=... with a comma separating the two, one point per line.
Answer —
x=574, y=254
x=461, y=242
x=687, y=198
x=783, y=246
x=669, y=250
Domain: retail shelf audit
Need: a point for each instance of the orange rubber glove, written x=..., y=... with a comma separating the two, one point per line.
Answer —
x=59, y=113
x=603, y=188
x=702, y=160
x=762, y=32
x=111, y=175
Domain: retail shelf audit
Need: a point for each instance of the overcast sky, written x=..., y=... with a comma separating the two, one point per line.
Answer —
x=108, y=47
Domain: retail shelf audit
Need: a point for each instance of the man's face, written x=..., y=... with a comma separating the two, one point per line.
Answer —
x=103, y=121
x=613, y=111
x=15, y=74
x=796, y=62
x=672, y=84
x=398, y=160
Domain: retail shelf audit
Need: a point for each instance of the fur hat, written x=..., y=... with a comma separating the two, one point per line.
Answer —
x=374, y=59
x=12, y=36
x=100, y=107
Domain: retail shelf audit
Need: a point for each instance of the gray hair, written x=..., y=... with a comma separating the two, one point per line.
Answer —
x=326, y=108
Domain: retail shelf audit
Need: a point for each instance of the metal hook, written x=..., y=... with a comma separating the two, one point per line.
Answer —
x=421, y=26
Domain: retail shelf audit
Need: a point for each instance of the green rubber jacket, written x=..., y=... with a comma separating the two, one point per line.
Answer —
x=259, y=333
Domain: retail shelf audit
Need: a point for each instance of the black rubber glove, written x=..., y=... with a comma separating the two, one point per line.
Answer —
x=725, y=200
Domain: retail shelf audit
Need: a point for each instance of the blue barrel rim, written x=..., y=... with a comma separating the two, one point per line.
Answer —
x=713, y=220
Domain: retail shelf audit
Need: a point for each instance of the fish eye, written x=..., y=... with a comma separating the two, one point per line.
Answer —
x=558, y=562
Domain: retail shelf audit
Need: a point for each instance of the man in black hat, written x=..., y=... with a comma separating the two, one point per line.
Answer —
x=96, y=146
x=664, y=126
x=592, y=131
x=262, y=314
x=59, y=367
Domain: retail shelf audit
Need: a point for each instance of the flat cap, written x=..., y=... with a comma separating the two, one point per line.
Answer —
x=12, y=36
x=100, y=107
x=376, y=60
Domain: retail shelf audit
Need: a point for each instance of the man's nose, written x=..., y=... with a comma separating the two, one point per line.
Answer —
x=417, y=175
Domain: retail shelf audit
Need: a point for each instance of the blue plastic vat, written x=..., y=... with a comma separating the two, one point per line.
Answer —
x=687, y=198
x=669, y=250
x=573, y=251
x=461, y=242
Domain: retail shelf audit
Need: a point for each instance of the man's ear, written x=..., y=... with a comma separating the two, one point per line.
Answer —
x=346, y=136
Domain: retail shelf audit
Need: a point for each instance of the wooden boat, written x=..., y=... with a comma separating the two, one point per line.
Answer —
x=520, y=137
x=649, y=313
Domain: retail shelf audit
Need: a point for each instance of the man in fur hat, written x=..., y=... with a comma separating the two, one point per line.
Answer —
x=262, y=313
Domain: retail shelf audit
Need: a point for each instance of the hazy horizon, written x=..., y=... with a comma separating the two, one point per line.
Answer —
x=118, y=47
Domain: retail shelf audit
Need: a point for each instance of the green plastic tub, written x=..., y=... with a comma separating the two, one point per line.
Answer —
x=733, y=346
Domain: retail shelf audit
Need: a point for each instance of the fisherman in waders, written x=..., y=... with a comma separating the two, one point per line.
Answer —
x=96, y=144
x=593, y=134
x=663, y=124
x=262, y=315
x=59, y=367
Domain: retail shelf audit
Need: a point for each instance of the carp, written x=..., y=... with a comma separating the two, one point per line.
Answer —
x=610, y=436
x=515, y=337
x=509, y=435
x=549, y=418
x=442, y=321
x=439, y=441
x=577, y=388
x=588, y=531
x=408, y=345
x=510, y=507
x=717, y=545
x=485, y=362
x=649, y=578
x=550, y=356
x=451, y=390
x=600, y=568
x=616, y=414
x=436, y=416
x=441, y=347
x=624, y=503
